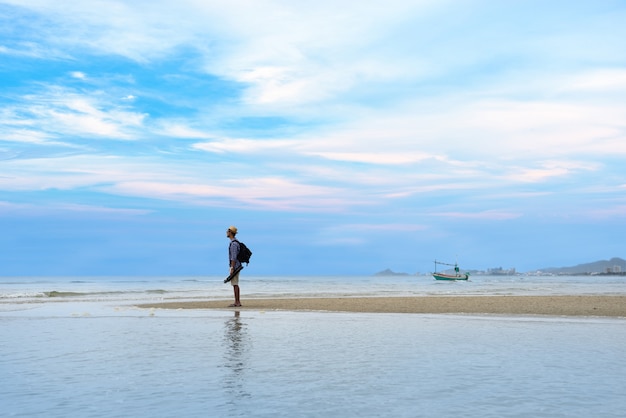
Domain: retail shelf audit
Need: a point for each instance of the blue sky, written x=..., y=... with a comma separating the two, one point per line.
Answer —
x=340, y=137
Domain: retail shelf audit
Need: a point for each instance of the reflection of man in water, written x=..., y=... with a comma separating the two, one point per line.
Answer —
x=235, y=347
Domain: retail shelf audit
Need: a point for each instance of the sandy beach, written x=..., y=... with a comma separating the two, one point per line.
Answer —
x=582, y=305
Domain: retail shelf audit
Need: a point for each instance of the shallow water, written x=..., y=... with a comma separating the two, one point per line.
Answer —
x=151, y=289
x=94, y=355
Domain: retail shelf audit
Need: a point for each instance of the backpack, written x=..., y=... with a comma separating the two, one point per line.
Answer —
x=244, y=253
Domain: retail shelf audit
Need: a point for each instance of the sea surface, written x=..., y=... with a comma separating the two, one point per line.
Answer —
x=78, y=347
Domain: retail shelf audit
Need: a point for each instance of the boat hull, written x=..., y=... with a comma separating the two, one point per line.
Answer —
x=442, y=276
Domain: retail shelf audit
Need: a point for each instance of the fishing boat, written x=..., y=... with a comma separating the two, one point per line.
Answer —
x=444, y=276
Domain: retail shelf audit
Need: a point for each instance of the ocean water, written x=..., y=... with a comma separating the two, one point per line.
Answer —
x=77, y=347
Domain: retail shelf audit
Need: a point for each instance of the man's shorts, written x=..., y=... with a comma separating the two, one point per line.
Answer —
x=235, y=280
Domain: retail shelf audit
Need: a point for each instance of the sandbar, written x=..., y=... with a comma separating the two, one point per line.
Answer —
x=566, y=305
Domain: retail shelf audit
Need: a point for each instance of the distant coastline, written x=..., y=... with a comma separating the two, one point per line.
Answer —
x=614, y=267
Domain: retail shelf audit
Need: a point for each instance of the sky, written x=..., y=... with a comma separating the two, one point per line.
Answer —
x=340, y=137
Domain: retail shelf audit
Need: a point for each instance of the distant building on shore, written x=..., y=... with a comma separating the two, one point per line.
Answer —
x=614, y=269
x=499, y=271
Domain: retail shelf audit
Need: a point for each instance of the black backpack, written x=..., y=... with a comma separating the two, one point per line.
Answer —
x=244, y=253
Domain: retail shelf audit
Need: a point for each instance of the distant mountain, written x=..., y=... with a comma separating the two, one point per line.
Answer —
x=601, y=266
x=388, y=272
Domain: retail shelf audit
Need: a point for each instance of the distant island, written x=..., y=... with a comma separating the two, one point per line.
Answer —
x=615, y=266
x=388, y=272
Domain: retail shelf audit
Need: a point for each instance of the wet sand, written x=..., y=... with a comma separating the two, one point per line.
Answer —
x=581, y=305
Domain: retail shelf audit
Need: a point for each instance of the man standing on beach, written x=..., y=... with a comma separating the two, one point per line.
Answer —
x=233, y=252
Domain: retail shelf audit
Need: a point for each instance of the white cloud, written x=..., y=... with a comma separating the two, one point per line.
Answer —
x=186, y=183
x=245, y=146
x=375, y=158
x=78, y=75
x=180, y=130
x=488, y=130
x=271, y=193
x=317, y=52
x=60, y=112
x=76, y=172
x=600, y=80
x=378, y=227
x=550, y=169
x=103, y=210
x=617, y=212
x=34, y=50
x=31, y=136
x=495, y=215
x=362, y=233
x=32, y=209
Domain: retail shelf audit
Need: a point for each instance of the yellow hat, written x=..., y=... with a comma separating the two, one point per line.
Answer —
x=233, y=229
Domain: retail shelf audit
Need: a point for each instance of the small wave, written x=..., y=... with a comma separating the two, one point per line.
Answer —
x=20, y=295
x=61, y=294
x=57, y=294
